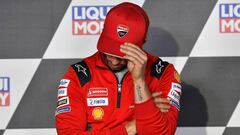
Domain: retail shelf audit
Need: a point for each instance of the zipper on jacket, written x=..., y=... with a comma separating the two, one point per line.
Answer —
x=119, y=90
x=119, y=93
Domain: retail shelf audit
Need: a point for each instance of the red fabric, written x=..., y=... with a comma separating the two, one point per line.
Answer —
x=149, y=119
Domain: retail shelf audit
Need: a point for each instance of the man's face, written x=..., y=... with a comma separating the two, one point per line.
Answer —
x=114, y=63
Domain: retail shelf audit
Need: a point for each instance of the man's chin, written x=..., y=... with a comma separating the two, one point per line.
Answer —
x=118, y=69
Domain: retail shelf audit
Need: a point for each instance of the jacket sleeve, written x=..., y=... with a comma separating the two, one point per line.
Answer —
x=71, y=114
x=152, y=120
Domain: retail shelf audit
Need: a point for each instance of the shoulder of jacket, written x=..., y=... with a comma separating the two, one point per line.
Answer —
x=83, y=72
x=158, y=67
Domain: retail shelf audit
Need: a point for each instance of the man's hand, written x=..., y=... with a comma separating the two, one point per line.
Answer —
x=161, y=103
x=137, y=60
x=131, y=127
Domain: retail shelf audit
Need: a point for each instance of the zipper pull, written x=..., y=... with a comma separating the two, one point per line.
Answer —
x=119, y=91
x=119, y=87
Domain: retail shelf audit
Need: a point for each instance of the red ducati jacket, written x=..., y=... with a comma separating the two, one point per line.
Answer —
x=90, y=95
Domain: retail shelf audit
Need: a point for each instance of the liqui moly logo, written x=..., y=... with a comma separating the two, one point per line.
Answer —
x=88, y=20
x=4, y=91
x=229, y=18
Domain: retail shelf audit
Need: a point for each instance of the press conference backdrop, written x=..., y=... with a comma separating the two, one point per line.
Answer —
x=39, y=39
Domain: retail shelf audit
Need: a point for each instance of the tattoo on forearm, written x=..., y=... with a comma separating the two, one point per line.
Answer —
x=139, y=94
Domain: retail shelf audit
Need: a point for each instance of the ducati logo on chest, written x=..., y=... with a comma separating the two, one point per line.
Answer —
x=122, y=30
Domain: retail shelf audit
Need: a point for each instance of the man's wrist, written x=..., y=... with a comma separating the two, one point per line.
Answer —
x=141, y=91
x=139, y=81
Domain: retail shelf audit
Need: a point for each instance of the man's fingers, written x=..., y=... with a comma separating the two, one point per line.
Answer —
x=161, y=103
x=163, y=106
x=136, y=47
x=156, y=94
x=164, y=110
x=130, y=53
x=133, y=50
x=134, y=60
x=161, y=100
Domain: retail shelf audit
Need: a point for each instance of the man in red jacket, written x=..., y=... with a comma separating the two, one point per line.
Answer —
x=116, y=91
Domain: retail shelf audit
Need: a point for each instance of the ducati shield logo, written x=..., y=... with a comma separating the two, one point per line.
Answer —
x=122, y=30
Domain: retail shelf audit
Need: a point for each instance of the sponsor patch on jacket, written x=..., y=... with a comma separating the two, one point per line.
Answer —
x=63, y=110
x=177, y=76
x=62, y=102
x=97, y=101
x=98, y=113
x=158, y=68
x=97, y=92
x=174, y=103
x=62, y=92
x=174, y=95
x=177, y=87
x=64, y=83
x=83, y=72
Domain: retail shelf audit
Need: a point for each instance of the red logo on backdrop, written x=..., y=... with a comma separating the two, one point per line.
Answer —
x=4, y=91
x=97, y=92
x=229, y=18
x=88, y=20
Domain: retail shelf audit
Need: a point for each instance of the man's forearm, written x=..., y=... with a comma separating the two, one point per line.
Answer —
x=141, y=91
